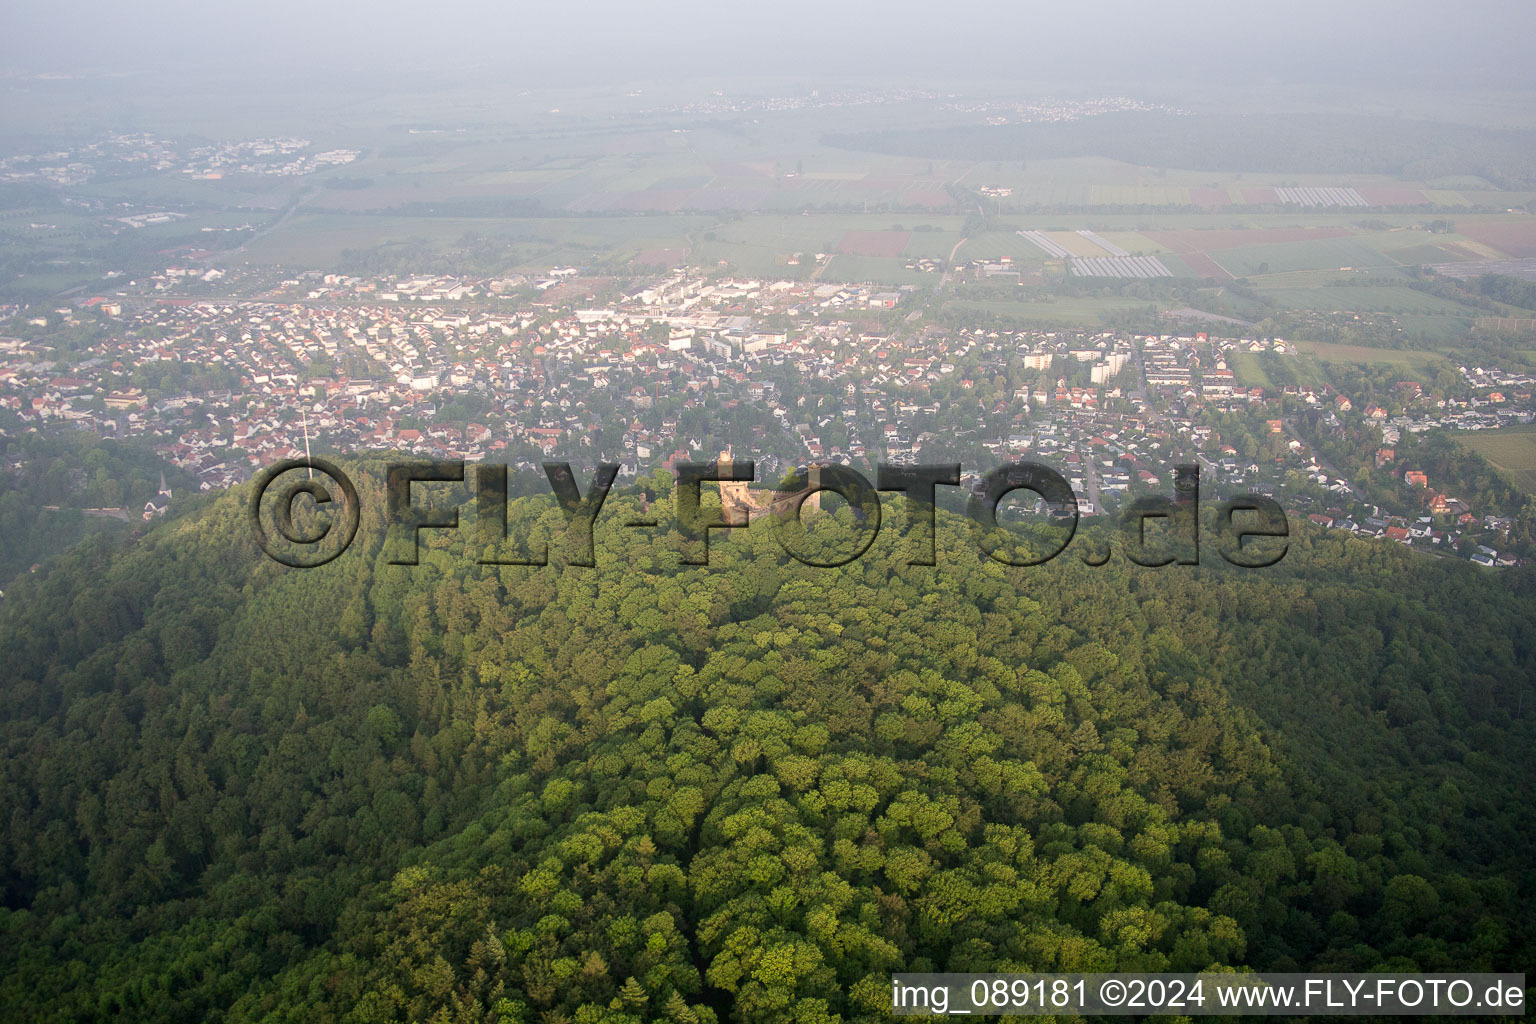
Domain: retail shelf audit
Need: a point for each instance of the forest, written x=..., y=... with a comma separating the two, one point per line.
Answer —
x=744, y=792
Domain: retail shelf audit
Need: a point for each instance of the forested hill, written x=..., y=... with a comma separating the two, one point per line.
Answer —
x=235, y=791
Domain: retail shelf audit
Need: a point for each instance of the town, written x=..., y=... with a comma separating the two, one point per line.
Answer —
x=678, y=366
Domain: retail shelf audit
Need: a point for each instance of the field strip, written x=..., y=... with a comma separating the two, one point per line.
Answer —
x=1107, y=246
x=1044, y=243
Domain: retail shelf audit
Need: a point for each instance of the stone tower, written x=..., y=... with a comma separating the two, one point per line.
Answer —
x=735, y=496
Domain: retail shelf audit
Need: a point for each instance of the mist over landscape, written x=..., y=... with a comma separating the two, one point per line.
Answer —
x=607, y=513
x=1309, y=43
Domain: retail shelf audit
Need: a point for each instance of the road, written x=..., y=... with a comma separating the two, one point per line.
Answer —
x=99, y=513
x=1091, y=478
x=327, y=302
x=1146, y=394
x=949, y=264
x=1323, y=464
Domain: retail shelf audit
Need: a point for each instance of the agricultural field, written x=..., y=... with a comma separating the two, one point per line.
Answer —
x=874, y=270
x=1330, y=253
x=1099, y=181
x=751, y=260
x=1139, y=195
x=1084, y=311
x=1076, y=244
x=1514, y=237
x=318, y=240
x=994, y=245
x=1429, y=253
x=823, y=232
x=1512, y=451
x=873, y=243
x=1365, y=299
x=934, y=245
x=1269, y=251
x=1203, y=238
x=1135, y=242
x=506, y=183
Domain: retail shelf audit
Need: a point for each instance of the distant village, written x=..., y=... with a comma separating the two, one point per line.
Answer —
x=135, y=153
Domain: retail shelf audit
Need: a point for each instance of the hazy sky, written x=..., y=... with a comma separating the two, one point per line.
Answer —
x=1402, y=42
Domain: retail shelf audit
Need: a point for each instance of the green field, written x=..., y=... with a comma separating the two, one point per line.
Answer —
x=932, y=235
x=1408, y=359
x=875, y=270
x=1249, y=369
x=1086, y=311
x=934, y=245
x=994, y=245
x=316, y=240
x=1279, y=258
x=1139, y=195
x=1428, y=319
x=1366, y=299
x=754, y=260
x=1512, y=451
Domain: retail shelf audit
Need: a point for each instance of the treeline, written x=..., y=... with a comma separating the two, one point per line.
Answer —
x=1510, y=290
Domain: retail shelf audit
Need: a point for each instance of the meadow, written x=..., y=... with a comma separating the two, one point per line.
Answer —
x=1512, y=451
x=874, y=270
x=1248, y=368
x=1407, y=359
